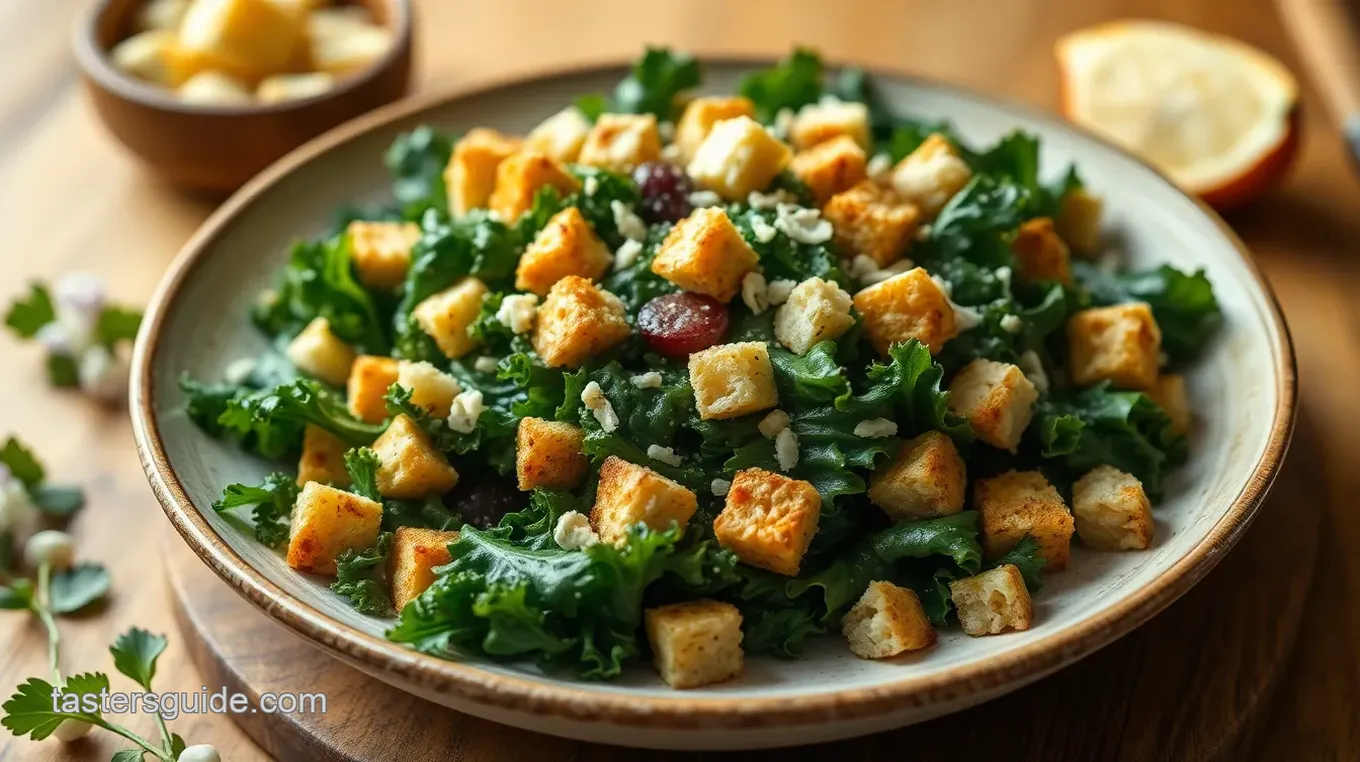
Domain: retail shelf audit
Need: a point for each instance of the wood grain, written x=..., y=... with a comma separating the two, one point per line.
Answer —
x=70, y=199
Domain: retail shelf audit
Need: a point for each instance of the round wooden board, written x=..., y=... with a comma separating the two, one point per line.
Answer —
x=1184, y=687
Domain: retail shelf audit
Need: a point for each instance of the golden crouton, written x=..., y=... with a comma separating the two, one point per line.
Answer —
x=213, y=88
x=997, y=400
x=1112, y=510
x=619, y=142
x=1040, y=253
x=152, y=56
x=927, y=479
x=1169, y=394
x=247, y=39
x=700, y=116
x=931, y=175
x=1122, y=344
x=628, y=494
x=369, y=381
x=280, y=88
x=732, y=380
x=409, y=466
x=872, y=221
x=696, y=642
x=1019, y=503
x=447, y=316
x=549, y=454
x=341, y=49
x=992, y=602
x=323, y=458
x=561, y=135
x=816, y=310
x=886, y=621
x=321, y=354
x=565, y=246
x=382, y=251
x=520, y=178
x=904, y=307
x=1078, y=221
x=470, y=176
x=830, y=168
x=411, y=560
x=738, y=156
x=705, y=253
x=326, y=522
x=430, y=387
x=819, y=123
x=577, y=321
x=769, y=520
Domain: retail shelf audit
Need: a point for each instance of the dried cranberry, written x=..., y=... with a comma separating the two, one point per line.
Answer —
x=682, y=323
x=665, y=192
x=483, y=505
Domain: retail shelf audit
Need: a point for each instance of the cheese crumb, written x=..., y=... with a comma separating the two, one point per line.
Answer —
x=876, y=428
x=763, y=231
x=758, y=200
x=1003, y=274
x=1012, y=323
x=786, y=449
x=965, y=318
x=517, y=312
x=720, y=487
x=802, y=225
x=879, y=168
x=664, y=455
x=753, y=292
x=627, y=254
x=704, y=198
x=467, y=407
x=783, y=122
x=672, y=153
x=237, y=371
x=598, y=404
x=591, y=185
x=778, y=291
x=573, y=532
x=772, y=424
x=649, y=380
x=485, y=364
x=1033, y=368
x=629, y=224
x=891, y=271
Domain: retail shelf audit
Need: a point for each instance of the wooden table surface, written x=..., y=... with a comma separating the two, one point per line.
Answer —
x=71, y=200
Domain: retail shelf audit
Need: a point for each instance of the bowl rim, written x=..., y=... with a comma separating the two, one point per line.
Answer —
x=536, y=696
x=94, y=61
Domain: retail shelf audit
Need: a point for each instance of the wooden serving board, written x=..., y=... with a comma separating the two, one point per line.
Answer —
x=1184, y=687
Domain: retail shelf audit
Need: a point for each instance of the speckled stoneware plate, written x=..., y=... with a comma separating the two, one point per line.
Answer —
x=1243, y=391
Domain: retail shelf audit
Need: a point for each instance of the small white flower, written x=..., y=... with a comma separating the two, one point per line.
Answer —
x=17, y=510
x=786, y=449
x=629, y=224
x=778, y=291
x=56, y=339
x=591, y=185
x=802, y=225
x=70, y=730
x=663, y=455
x=485, y=364
x=1033, y=368
x=50, y=546
x=627, y=254
x=879, y=167
x=702, y=198
x=573, y=532
x=598, y=404
x=467, y=407
x=200, y=753
x=517, y=312
x=753, y=292
x=720, y=487
x=101, y=375
x=876, y=428
x=1003, y=274
x=1012, y=323
x=766, y=201
x=649, y=380
x=82, y=293
x=773, y=423
x=763, y=231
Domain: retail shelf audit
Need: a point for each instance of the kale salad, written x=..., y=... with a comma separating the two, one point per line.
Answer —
x=687, y=377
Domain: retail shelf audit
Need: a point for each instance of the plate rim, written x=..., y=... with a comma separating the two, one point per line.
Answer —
x=469, y=681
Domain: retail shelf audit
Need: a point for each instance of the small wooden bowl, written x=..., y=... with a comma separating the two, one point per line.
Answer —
x=220, y=147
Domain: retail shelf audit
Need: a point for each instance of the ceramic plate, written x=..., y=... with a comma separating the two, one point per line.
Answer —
x=1243, y=390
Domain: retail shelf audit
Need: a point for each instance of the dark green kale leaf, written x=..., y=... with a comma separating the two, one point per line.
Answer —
x=784, y=258
x=1026, y=557
x=608, y=189
x=492, y=434
x=908, y=134
x=853, y=84
x=909, y=386
x=318, y=281
x=952, y=536
x=416, y=160
x=361, y=463
x=636, y=284
x=270, y=503
x=270, y=422
x=1184, y=305
x=973, y=224
x=791, y=84
x=655, y=82
x=361, y=576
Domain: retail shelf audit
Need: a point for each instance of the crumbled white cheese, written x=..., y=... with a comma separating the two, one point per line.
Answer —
x=591, y=185
x=101, y=374
x=673, y=153
x=627, y=254
x=598, y=404
x=783, y=122
x=431, y=381
x=772, y=424
x=1012, y=323
x=786, y=449
x=801, y=224
x=777, y=292
x=719, y=487
x=649, y=380
x=664, y=455
x=703, y=198
x=764, y=231
x=494, y=216
x=766, y=201
x=517, y=312
x=879, y=167
x=876, y=428
x=573, y=532
x=891, y=271
x=861, y=266
x=467, y=407
x=1033, y=368
x=753, y=292
x=237, y=371
x=629, y=224
x=965, y=318
x=1003, y=274
x=485, y=364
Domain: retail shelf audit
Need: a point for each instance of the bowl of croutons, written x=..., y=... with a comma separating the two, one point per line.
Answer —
x=209, y=92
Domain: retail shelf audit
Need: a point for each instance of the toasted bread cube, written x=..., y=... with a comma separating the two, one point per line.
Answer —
x=886, y=621
x=326, y=522
x=904, y=307
x=925, y=480
x=577, y=321
x=768, y=520
x=830, y=168
x=214, y=88
x=992, y=602
x=290, y=87
x=431, y=388
x=1122, y=344
x=1019, y=503
x=411, y=560
x=732, y=380
x=629, y=494
x=565, y=246
x=382, y=251
x=696, y=642
x=561, y=135
x=549, y=454
x=1040, y=253
x=371, y=377
x=738, y=156
x=996, y=398
x=816, y=310
x=247, y=39
x=700, y=116
x=161, y=14
x=1169, y=394
x=931, y=175
x=1078, y=221
x=619, y=142
x=470, y=176
x=150, y=56
x=319, y=353
x=520, y=178
x=819, y=123
x=872, y=221
x=409, y=466
x=341, y=49
x=1112, y=511
x=323, y=458
x=705, y=253
x=448, y=315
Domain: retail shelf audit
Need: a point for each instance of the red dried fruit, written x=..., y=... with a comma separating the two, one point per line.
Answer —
x=682, y=323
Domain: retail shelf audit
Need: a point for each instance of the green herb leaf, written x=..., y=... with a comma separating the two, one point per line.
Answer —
x=271, y=421
x=1184, y=305
x=793, y=83
x=416, y=161
x=18, y=594
x=29, y=711
x=655, y=81
x=1026, y=557
x=62, y=372
x=77, y=587
x=318, y=281
x=362, y=465
x=129, y=755
x=135, y=653
x=58, y=501
x=27, y=314
x=22, y=463
x=117, y=324
x=271, y=502
x=361, y=576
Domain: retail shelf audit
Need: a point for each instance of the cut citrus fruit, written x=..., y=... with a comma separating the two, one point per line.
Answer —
x=1218, y=116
